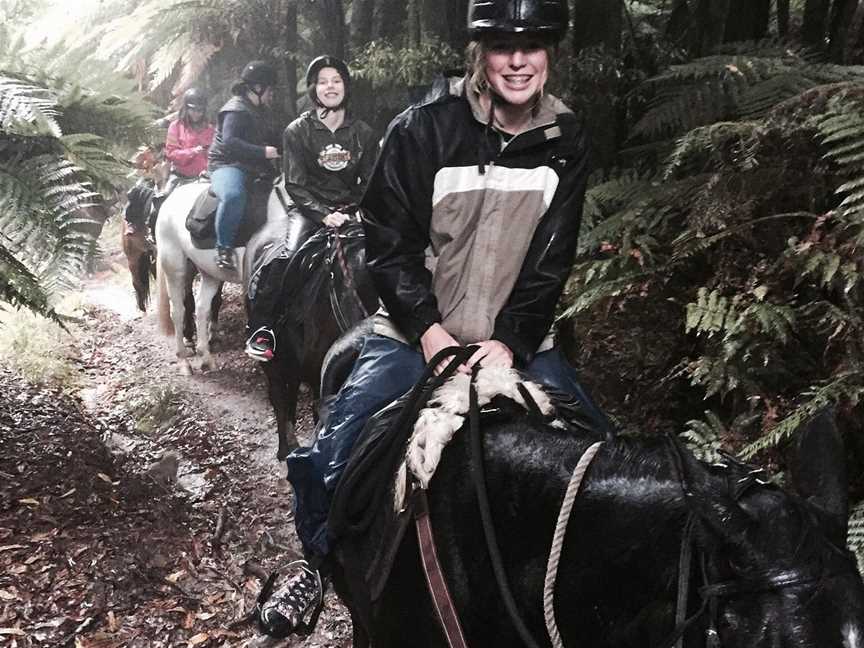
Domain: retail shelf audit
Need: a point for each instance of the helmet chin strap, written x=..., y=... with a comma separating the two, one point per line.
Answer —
x=261, y=94
x=325, y=110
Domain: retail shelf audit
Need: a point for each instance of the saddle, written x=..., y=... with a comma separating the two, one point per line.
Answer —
x=201, y=220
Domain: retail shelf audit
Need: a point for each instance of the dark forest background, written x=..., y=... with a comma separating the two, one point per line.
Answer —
x=718, y=291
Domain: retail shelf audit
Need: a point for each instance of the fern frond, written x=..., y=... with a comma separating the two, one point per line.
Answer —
x=847, y=386
x=26, y=109
x=855, y=536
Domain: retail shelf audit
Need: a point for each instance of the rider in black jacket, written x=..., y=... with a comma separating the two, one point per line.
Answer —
x=240, y=152
x=471, y=220
x=328, y=160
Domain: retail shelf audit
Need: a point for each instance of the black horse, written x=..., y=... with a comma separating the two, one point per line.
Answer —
x=325, y=289
x=768, y=567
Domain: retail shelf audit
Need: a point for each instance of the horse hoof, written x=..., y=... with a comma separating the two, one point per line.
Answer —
x=185, y=369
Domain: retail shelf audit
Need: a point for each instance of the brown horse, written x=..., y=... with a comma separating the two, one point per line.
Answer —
x=139, y=250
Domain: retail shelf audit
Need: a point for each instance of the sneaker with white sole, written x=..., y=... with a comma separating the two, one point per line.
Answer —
x=294, y=607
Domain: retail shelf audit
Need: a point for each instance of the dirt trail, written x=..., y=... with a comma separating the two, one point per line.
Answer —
x=222, y=525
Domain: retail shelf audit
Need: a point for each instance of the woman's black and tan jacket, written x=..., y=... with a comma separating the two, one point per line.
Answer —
x=501, y=221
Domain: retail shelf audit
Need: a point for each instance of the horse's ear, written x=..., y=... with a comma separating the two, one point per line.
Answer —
x=818, y=467
x=719, y=513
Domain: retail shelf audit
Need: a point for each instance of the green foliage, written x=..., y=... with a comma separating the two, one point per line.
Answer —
x=705, y=438
x=384, y=64
x=22, y=332
x=750, y=220
x=51, y=210
x=727, y=87
x=856, y=534
x=156, y=408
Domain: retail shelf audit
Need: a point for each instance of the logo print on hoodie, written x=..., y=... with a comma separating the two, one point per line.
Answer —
x=334, y=158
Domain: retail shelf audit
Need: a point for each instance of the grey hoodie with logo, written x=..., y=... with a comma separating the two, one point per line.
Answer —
x=326, y=170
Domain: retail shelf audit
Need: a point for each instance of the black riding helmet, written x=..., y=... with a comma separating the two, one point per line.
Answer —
x=316, y=66
x=547, y=18
x=256, y=73
x=195, y=99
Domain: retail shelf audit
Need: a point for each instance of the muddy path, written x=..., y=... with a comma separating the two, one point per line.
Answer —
x=200, y=508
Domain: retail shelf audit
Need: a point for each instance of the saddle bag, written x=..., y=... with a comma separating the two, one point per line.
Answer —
x=201, y=220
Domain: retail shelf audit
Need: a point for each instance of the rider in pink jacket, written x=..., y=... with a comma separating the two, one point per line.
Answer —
x=189, y=136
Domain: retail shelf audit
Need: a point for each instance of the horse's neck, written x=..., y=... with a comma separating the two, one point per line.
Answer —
x=622, y=545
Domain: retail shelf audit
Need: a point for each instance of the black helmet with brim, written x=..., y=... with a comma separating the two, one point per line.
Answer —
x=256, y=73
x=544, y=18
x=318, y=64
x=195, y=99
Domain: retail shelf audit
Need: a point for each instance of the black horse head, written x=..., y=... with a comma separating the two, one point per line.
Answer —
x=776, y=570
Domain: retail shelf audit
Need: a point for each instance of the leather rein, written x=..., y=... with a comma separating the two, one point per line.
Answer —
x=435, y=579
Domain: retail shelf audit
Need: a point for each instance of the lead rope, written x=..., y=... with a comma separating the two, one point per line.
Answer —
x=558, y=542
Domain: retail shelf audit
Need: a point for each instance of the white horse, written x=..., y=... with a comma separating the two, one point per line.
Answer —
x=176, y=252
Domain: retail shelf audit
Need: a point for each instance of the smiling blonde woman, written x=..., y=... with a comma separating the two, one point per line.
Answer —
x=471, y=219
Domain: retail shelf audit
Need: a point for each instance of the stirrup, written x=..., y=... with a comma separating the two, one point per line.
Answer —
x=259, y=347
x=281, y=617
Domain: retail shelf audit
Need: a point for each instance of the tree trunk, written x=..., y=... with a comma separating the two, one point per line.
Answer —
x=842, y=15
x=783, y=18
x=331, y=19
x=361, y=24
x=679, y=21
x=414, y=27
x=748, y=20
x=389, y=20
x=598, y=22
x=292, y=46
x=815, y=19
x=709, y=26
x=433, y=16
x=456, y=28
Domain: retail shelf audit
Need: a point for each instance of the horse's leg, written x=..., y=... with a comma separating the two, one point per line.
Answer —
x=174, y=279
x=359, y=637
x=189, y=305
x=207, y=291
x=139, y=259
x=217, y=305
x=282, y=388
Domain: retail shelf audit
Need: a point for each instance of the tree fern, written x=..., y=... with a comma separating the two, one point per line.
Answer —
x=855, y=537
x=723, y=87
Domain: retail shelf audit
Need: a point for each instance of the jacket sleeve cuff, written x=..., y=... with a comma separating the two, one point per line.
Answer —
x=416, y=325
x=521, y=351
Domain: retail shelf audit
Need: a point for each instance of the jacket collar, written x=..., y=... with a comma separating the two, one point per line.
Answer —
x=319, y=125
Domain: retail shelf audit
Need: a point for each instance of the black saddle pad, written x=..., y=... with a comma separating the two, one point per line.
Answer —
x=201, y=220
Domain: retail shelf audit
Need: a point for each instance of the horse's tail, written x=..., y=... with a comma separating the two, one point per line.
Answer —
x=144, y=268
x=163, y=308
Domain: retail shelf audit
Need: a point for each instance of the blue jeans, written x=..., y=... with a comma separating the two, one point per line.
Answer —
x=385, y=370
x=229, y=185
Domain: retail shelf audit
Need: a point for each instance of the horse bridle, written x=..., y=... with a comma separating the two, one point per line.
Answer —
x=341, y=320
x=768, y=580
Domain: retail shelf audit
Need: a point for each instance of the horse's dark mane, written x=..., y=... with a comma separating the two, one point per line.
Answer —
x=635, y=458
